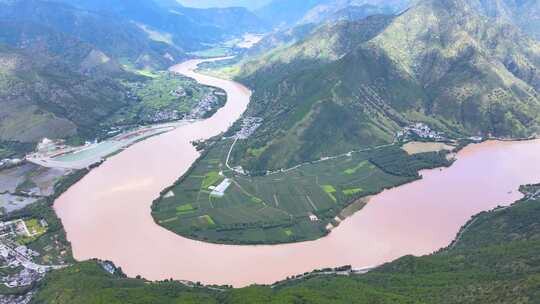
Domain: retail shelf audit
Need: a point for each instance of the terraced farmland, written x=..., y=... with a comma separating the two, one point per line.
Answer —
x=296, y=205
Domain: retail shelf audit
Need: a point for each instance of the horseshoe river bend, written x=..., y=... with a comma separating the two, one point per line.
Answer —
x=107, y=215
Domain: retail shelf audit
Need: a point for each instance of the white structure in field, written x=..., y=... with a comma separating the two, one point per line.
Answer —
x=220, y=189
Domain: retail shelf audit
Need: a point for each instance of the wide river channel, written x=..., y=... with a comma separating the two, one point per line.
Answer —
x=107, y=214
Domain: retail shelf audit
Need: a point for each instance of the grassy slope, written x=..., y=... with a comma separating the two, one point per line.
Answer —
x=496, y=261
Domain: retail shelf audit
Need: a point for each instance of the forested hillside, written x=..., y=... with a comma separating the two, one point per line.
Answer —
x=441, y=63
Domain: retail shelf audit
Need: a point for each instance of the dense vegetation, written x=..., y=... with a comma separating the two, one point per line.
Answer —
x=14, y=149
x=495, y=261
x=394, y=160
x=88, y=283
x=71, y=33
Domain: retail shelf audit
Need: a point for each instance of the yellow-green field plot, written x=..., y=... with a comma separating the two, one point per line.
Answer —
x=330, y=190
x=357, y=167
x=35, y=229
x=211, y=179
x=185, y=209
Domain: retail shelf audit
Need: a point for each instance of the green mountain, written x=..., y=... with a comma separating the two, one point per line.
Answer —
x=278, y=38
x=355, y=84
x=287, y=36
x=495, y=261
x=45, y=97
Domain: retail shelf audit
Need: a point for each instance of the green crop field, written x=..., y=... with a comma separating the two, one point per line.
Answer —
x=211, y=179
x=277, y=208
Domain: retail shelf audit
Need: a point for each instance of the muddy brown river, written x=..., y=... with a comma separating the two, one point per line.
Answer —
x=107, y=214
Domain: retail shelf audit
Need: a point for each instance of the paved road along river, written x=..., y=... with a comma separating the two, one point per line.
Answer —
x=107, y=214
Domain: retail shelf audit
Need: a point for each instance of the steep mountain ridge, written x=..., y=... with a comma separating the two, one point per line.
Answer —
x=353, y=9
x=44, y=97
x=294, y=92
x=466, y=64
x=292, y=12
x=439, y=62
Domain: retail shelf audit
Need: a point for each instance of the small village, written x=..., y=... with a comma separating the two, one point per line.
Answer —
x=205, y=105
x=249, y=126
x=208, y=103
x=423, y=131
x=420, y=130
x=18, y=261
x=164, y=115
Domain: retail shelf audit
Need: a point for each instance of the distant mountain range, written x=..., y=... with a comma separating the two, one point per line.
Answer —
x=250, y=4
x=291, y=12
x=188, y=28
x=355, y=84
